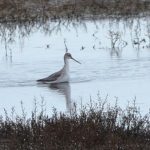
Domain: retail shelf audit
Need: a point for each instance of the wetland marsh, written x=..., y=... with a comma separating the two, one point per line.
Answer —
x=112, y=42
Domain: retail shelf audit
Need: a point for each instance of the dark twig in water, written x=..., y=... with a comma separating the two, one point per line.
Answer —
x=65, y=45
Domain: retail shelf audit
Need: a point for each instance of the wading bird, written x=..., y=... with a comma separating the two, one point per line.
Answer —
x=63, y=74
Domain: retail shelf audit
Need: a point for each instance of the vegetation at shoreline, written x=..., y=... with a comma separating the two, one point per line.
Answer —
x=96, y=126
x=35, y=10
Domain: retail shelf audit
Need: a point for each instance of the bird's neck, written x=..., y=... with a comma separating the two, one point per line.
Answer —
x=66, y=61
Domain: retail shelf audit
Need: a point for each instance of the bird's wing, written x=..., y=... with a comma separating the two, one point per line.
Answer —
x=52, y=77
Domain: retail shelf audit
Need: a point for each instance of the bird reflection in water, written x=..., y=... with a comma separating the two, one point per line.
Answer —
x=64, y=89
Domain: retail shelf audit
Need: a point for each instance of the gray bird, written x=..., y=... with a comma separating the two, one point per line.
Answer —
x=63, y=74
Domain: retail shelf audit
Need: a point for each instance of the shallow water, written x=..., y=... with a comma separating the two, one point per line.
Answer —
x=122, y=72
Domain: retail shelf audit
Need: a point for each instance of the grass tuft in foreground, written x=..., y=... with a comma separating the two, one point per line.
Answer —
x=96, y=126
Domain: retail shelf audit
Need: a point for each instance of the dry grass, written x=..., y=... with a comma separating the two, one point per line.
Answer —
x=30, y=10
x=97, y=126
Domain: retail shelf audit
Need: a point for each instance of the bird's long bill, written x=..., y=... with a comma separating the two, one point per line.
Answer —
x=75, y=60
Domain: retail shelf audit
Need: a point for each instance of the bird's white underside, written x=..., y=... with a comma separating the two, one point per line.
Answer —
x=64, y=77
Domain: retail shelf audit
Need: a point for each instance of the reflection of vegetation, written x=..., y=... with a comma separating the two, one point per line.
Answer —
x=10, y=31
x=117, y=43
x=97, y=126
x=12, y=28
x=148, y=33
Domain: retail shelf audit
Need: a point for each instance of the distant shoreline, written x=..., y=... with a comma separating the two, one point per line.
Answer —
x=25, y=10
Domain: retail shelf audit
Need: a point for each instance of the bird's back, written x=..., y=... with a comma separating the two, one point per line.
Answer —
x=51, y=78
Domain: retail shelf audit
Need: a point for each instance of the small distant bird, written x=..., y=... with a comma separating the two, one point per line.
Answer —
x=63, y=74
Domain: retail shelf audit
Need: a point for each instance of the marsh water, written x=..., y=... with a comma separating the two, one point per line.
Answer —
x=115, y=57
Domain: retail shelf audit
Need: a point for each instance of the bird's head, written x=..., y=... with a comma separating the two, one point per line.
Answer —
x=69, y=56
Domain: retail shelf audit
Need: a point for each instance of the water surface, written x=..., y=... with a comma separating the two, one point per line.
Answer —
x=122, y=71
